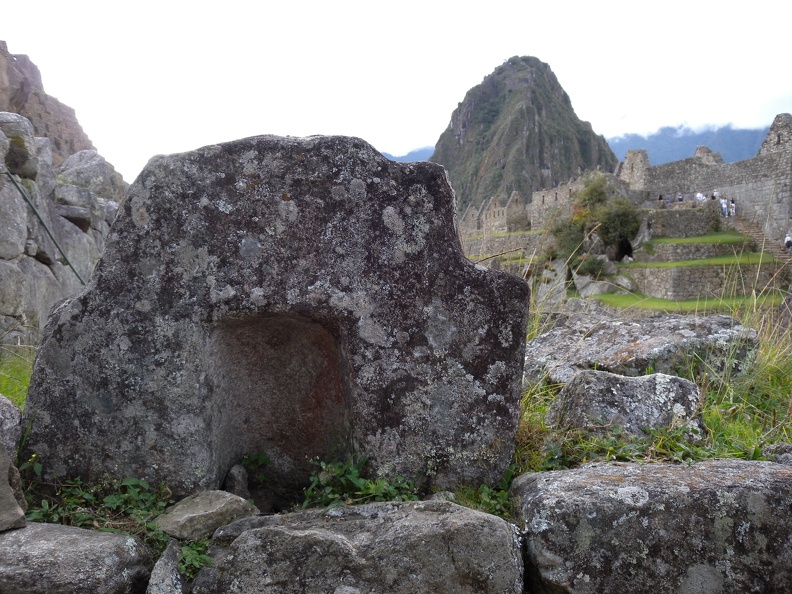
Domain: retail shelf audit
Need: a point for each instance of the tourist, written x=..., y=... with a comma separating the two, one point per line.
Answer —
x=788, y=242
x=660, y=204
x=680, y=198
x=724, y=207
x=701, y=197
x=732, y=208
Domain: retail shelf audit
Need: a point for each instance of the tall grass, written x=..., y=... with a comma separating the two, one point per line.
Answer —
x=741, y=414
x=16, y=364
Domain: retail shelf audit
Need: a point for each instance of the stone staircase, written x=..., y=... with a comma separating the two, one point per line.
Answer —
x=763, y=244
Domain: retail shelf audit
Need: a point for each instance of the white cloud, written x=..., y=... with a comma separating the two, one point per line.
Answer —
x=160, y=77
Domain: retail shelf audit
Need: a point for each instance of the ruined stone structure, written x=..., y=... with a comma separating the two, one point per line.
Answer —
x=298, y=297
x=22, y=92
x=761, y=186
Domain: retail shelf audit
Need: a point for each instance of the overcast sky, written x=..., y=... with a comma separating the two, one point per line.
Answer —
x=148, y=78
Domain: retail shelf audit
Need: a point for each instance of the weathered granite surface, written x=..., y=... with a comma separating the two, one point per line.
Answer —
x=598, y=401
x=75, y=203
x=300, y=297
x=720, y=526
x=55, y=559
x=429, y=546
x=200, y=514
x=659, y=343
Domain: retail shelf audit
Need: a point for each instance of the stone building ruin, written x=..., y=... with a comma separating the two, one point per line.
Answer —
x=761, y=187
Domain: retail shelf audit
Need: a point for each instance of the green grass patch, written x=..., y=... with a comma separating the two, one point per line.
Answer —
x=16, y=365
x=728, y=305
x=730, y=260
x=717, y=237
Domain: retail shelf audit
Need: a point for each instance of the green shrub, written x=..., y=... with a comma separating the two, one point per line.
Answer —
x=591, y=266
x=341, y=483
x=568, y=238
x=594, y=192
x=619, y=221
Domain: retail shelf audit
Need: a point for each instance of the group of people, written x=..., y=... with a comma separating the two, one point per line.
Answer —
x=728, y=207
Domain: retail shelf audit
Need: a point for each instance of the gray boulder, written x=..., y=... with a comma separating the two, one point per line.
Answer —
x=21, y=156
x=720, y=526
x=633, y=347
x=587, y=286
x=10, y=425
x=77, y=217
x=596, y=401
x=11, y=513
x=13, y=220
x=165, y=577
x=55, y=559
x=88, y=169
x=297, y=297
x=431, y=546
x=199, y=515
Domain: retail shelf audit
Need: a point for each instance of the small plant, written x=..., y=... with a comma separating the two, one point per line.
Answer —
x=193, y=557
x=492, y=500
x=591, y=266
x=341, y=483
x=128, y=506
x=256, y=464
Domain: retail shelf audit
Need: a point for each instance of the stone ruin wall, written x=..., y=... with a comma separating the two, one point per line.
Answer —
x=549, y=205
x=670, y=252
x=22, y=92
x=691, y=282
x=761, y=186
x=686, y=221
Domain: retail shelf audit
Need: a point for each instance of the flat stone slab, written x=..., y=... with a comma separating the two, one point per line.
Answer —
x=200, y=514
x=300, y=298
x=429, y=546
x=632, y=347
x=712, y=527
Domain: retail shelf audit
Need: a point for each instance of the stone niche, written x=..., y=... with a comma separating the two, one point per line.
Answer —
x=305, y=298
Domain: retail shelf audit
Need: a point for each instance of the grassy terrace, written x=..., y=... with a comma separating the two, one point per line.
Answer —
x=509, y=234
x=733, y=260
x=720, y=304
x=720, y=237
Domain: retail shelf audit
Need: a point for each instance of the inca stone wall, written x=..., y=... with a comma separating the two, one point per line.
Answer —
x=761, y=186
x=691, y=282
x=685, y=219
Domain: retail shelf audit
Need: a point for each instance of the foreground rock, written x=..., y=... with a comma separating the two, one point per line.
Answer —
x=598, y=401
x=12, y=515
x=199, y=515
x=720, y=526
x=285, y=296
x=165, y=577
x=10, y=425
x=431, y=546
x=632, y=347
x=55, y=559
